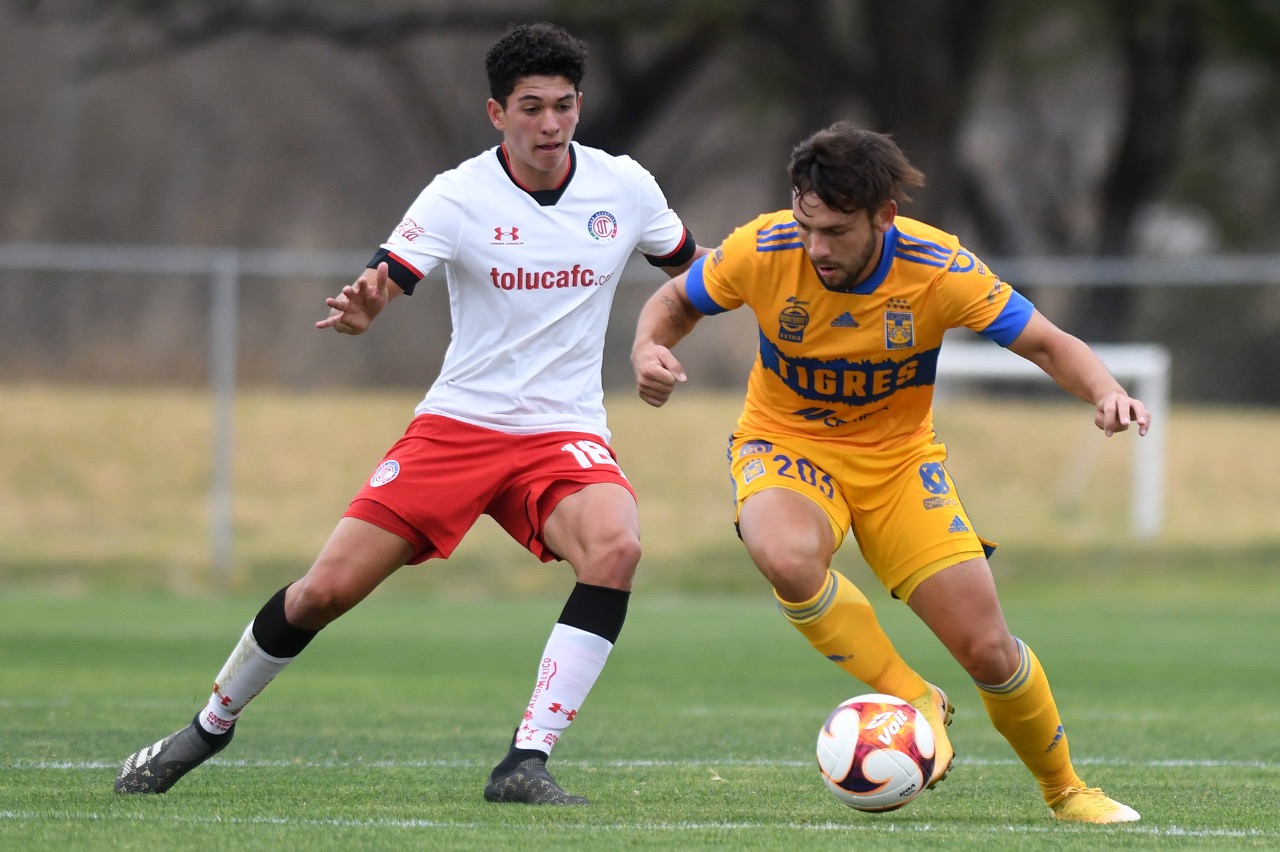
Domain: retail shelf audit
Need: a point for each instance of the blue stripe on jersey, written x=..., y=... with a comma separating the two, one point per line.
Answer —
x=695, y=287
x=923, y=261
x=924, y=246
x=915, y=250
x=848, y=382
x=915, y=254
x=1005, y=328
x=779, y=237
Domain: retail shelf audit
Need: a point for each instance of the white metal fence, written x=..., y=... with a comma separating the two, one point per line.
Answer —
x=223, y=269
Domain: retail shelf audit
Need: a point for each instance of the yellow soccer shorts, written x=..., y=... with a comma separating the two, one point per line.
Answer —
x=901, y=504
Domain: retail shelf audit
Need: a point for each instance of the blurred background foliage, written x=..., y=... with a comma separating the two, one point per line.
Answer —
x=1097, y=128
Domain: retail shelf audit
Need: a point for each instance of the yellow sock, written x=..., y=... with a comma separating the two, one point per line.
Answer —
x=1023, y=711
x=841, y=624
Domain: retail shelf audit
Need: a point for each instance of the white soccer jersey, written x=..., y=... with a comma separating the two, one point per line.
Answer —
x=531, y=278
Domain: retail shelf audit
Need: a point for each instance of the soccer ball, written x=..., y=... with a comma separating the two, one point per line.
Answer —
x=876, y=752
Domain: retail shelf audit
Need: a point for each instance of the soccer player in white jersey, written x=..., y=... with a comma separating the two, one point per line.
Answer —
x=533, y=236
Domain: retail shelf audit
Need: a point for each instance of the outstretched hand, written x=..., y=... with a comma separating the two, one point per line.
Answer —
x=657, y=372
x=353, y=309
x=1117, y=410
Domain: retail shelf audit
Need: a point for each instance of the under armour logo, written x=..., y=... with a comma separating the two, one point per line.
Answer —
x=500, y=234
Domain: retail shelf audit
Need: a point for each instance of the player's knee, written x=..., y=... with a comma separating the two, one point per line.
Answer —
x=610, y=559
x=989, y=657
x=316, y=601
x=785, y=558
x=796, y=573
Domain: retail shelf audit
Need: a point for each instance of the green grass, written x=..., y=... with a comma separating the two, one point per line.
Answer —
x=1164, y=655
x=699, y=734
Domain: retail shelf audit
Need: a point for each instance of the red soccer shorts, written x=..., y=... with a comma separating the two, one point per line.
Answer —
x=436, y=481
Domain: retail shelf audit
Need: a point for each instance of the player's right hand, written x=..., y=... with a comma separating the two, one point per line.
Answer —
x=353, y=309
x=657, y=373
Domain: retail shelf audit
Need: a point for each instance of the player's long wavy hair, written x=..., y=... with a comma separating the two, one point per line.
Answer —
x=533, y=50
x=852, y=169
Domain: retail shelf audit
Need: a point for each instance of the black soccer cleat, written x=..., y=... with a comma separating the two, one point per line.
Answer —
x=158, y=767
x=529, y=783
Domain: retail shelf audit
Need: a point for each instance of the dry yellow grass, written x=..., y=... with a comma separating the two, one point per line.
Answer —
x=104, y=479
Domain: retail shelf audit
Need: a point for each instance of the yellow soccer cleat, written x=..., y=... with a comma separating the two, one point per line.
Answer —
x=1089, y=804
x=938, y=710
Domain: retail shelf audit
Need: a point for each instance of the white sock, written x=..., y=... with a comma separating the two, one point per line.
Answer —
x=246, y=673
x=571, y=662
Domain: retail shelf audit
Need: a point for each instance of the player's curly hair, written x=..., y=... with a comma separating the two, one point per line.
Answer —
x=852, y=169
x=528, y=50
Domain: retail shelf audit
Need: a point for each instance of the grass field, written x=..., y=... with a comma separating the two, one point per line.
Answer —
x=699, y=735
x=1164, y=655
x=108, y=488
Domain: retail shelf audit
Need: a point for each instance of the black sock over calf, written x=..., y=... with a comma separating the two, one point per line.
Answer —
x=596, y=609
x=273, y=632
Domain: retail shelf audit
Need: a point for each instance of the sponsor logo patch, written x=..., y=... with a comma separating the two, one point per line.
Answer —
x=409, y=230
x=964, y=261
x=545, y=279
x=792, y=320
x=934, y=478
x=506, y=237
x=753, y=448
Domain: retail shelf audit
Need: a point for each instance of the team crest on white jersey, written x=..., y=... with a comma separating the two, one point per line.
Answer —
x=386, y=472
x=603, y=226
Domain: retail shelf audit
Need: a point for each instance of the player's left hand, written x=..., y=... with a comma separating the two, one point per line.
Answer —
x=1117, y=410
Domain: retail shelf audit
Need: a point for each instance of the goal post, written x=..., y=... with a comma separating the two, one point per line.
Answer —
x=1145, y=365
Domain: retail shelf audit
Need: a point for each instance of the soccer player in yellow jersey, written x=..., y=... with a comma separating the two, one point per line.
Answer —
x=836, y=433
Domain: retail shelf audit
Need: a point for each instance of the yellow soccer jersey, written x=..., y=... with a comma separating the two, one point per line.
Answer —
x=858, y=365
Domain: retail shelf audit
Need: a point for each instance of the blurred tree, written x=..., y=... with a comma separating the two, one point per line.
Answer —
x=908, y=67
x=141, y=32
x=1053, y=127
x=1163, y=46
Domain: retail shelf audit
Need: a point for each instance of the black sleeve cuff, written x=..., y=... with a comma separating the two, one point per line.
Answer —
x=405, y=276
x=682, y=255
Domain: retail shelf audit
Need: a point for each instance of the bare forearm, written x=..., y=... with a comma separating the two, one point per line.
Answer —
x=1077, y=369
x=666, y=319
